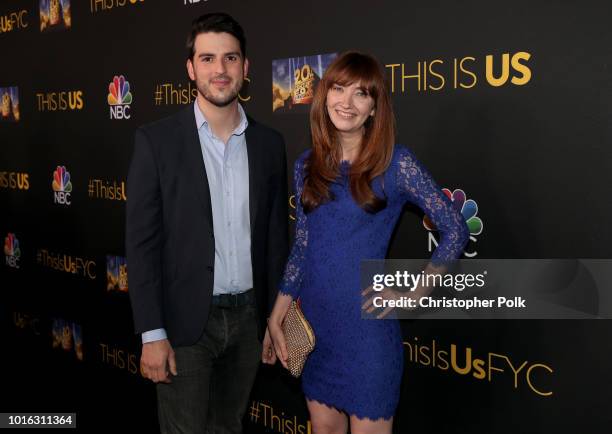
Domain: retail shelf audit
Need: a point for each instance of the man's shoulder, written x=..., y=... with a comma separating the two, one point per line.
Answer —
x=164, y=126
x=263, y=131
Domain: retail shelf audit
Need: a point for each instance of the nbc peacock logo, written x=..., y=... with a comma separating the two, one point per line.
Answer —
x=62, y=187
x=468, y=209
x=119, y=98
x=11, y=250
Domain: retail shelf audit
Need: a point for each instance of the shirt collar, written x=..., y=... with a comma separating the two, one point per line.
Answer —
x=201, y=120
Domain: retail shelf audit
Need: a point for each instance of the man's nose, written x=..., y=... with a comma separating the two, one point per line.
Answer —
x=220, y=66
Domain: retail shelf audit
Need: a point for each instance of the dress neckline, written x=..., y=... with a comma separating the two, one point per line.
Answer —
x=344, y=169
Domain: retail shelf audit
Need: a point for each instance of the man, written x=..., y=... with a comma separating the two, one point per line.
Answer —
x=206, y=240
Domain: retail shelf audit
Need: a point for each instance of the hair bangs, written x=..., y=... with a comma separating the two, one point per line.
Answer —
x=354, y=69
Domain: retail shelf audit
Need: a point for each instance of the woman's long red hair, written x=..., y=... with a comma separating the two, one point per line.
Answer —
x=323, y=164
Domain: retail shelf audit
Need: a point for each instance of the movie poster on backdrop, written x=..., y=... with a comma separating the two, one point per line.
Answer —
x=294, y=81
x=55, y=15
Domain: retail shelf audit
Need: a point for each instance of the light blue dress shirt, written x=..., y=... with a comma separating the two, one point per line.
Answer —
x=227, y=169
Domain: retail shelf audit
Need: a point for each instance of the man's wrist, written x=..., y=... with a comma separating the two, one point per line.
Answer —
x=154, y=335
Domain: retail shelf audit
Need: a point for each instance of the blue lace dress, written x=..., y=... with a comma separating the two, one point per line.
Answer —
x=357, y=363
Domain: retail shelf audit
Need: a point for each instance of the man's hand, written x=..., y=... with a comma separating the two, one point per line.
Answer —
x=268, y=355
x=157, y=361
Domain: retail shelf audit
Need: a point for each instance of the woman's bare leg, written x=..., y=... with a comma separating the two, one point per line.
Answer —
x=326, y=420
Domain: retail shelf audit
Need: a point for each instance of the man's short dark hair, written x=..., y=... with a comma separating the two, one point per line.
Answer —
x=216, y=22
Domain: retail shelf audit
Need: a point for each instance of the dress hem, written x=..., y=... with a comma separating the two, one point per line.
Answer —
x=360, y=416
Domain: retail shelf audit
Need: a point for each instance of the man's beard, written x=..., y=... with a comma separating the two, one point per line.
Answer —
x=219, y=100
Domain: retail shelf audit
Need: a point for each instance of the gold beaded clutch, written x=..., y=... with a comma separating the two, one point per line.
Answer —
x=299, y=337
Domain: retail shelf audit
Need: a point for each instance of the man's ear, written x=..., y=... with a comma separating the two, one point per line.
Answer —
x=246, y=68
x=190, y=70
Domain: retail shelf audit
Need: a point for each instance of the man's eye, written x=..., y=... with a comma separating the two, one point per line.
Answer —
x=232, y=58
x=206, y=59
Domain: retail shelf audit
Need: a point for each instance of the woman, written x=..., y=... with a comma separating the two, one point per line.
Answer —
x=350, y=191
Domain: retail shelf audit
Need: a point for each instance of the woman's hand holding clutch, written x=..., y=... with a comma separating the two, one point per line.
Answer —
x=275, y=330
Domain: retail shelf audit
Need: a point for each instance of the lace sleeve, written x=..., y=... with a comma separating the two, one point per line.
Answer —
x=417, y=186
x=294, y=271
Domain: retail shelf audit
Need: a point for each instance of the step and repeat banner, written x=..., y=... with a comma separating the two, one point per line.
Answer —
x=507, y=104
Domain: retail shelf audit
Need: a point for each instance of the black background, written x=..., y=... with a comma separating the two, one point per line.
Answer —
x=536, y=158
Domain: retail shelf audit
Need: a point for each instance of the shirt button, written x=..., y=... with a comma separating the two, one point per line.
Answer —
x=229, y=223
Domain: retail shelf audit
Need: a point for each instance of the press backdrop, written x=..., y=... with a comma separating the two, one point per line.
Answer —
x=506, y=103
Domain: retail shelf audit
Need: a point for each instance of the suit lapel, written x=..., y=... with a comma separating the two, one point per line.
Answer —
x=253, y=155
x=195, y=163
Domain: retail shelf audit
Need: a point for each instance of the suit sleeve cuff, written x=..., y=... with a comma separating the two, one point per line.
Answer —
x=154, y=335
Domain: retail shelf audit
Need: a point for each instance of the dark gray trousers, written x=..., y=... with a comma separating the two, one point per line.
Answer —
x=211, y=391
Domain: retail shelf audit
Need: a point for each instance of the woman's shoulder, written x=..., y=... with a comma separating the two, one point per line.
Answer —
x=402, y=151
x=402, y=155
x=298, y=166
x=301, y=159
